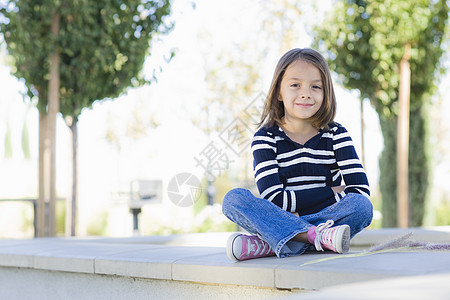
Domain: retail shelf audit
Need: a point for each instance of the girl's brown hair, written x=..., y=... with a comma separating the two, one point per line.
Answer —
x=274, y=109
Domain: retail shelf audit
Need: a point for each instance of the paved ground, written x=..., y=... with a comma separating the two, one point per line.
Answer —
x=390, y=273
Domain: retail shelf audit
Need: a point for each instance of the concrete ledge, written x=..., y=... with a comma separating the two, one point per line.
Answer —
x=151, y=261
x=42, y=284
x=367, y=238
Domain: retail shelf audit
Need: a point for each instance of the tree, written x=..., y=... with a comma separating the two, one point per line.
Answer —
x=365, y=42
x=98, y=50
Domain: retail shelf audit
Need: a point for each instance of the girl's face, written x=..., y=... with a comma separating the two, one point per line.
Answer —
x=301, y=91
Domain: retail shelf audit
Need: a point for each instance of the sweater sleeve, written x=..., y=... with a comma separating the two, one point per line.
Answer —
x=355, y=178
x=271, y=186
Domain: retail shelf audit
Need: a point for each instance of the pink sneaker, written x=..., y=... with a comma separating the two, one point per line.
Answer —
x=242, y=247
x=336, y=239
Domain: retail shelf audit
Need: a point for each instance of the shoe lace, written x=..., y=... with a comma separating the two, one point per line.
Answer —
x=319, y=233
x=255, y=244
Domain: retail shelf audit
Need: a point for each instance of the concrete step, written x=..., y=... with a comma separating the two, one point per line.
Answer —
x=116, y=268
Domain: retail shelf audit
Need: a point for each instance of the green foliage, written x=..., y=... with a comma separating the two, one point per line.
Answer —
x=388, y=172
x=212, y=223
x=25, y=141
x=377, y=206
x=60, y=207
x=418, y=172
x=365, y=41
x=202, y=200
x=98, y=225
x=27, y=220
x=102, y=45
x=8, y=142
x=442, y=214
x=222, y=184
x=419, y=164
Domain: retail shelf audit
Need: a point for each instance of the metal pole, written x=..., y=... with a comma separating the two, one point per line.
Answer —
x=136, y=212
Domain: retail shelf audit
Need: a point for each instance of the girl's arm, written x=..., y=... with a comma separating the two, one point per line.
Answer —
x=350, y=166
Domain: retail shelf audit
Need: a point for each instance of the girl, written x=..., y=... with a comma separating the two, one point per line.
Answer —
x=300, y=158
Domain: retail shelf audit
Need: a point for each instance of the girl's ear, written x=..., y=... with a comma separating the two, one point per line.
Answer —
x=279, y=97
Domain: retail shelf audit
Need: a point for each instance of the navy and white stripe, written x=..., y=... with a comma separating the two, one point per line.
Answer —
x=298, y=178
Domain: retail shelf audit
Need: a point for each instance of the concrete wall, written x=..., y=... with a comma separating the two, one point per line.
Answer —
x=24, y=283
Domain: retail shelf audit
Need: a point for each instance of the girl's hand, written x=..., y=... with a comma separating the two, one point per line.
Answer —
x=338, y=189
x=295, y=214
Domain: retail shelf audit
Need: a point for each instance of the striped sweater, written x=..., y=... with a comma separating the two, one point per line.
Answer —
x=298, y=178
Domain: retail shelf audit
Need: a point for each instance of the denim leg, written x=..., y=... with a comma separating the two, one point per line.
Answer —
x=259, y=216
x=277, y=227
x=354, y=210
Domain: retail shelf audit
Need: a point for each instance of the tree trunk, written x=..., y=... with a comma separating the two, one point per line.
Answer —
x=363, y=148
x=71, y=211
x=46, y=216
x=41, y=215
x=403, y=141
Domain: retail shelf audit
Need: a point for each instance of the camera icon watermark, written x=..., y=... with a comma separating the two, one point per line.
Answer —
x=184, y=189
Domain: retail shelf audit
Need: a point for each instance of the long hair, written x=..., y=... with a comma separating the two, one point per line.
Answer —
x=273, y=111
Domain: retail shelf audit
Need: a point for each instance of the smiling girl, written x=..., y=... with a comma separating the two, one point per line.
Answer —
x=313, y=188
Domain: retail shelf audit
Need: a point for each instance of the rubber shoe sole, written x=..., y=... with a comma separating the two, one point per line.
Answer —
x=230, y=242
x=343, y=244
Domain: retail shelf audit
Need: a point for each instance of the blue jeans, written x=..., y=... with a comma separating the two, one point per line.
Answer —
x=277, y=227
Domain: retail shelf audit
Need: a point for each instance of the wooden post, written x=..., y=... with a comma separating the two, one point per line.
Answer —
x=71, y=205
x=403, y=141
x=41, y=218
x=363, y=151
x=46, y=215
x=53, y=109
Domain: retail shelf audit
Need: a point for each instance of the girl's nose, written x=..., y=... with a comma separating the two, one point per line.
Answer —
x=305, y=94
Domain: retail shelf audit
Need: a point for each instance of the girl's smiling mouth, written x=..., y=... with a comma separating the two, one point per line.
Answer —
x=304, y=104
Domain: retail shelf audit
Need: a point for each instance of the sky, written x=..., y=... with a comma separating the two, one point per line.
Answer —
x=171, y=147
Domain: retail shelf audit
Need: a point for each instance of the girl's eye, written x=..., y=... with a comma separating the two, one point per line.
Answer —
x=295, y=85
x=317, y=87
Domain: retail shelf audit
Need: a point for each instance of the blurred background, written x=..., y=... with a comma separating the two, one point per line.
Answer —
x=161, y=150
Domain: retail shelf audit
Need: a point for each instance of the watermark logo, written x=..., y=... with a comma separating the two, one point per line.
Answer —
x=216, y=157
x=232, y=141
x=184, y=189
x=213, y=159
x=237, y=136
